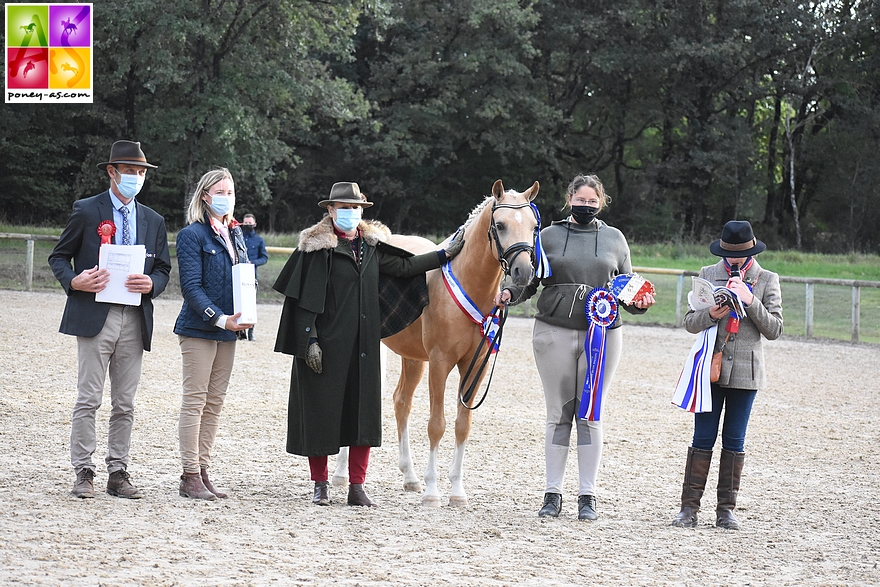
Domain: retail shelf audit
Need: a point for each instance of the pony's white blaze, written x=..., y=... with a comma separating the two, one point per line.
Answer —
x=446, y=338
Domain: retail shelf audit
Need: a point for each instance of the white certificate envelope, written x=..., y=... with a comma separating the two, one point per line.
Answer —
x=121, y=261
x=244, y=292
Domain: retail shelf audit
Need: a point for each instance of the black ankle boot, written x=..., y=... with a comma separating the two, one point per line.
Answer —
x=587, y=508
x=552, y=505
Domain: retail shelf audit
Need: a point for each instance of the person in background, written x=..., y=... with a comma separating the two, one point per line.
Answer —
x=331, y=324
x=742, y=369
x=256, y=249
x=112, y=336
x=584, y=253
x=207, y=328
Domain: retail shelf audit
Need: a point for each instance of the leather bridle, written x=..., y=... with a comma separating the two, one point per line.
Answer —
x=507, y=256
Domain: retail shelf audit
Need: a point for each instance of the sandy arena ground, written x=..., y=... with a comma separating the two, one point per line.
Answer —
x=809, y=501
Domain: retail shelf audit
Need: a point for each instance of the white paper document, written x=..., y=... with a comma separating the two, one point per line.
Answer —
x=244, y=292
x=121, y=261
x=705, y=295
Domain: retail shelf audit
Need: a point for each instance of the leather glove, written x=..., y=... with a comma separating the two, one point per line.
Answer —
x=314, y=358
x=455, y=245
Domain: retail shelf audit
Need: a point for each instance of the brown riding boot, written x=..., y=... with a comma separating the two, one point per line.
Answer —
x=191, y=485
x=729, y=476
x=357, y=496
x=208, y=485
x=695, y=472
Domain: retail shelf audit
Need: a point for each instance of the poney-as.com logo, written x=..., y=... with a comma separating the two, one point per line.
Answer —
x=49, y=53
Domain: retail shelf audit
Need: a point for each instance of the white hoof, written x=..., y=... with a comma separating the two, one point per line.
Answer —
x=431, y=501
x=415, y=486
x=339, y=481
x=458, y=501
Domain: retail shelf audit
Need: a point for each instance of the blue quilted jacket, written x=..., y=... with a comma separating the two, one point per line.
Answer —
x=206, y=280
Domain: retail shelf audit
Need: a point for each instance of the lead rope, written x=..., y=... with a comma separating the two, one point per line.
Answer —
x=465, y=395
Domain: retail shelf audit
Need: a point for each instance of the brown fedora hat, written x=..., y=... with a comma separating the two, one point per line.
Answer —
x=126, y=153
x=344, y=192
x=737, y=240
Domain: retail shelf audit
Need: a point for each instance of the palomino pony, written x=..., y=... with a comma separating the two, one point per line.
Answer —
x=499, y=238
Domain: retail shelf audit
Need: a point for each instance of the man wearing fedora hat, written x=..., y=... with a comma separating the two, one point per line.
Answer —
x=742, y=369
x=109, y=336
x=332, y=322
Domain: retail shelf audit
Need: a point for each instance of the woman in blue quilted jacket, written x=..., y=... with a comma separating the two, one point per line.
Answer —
x=207, y=326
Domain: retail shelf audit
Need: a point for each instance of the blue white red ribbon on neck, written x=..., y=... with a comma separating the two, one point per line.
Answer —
x=488, y=323
x=601, y=309
x=543, y=269
x=694, y=390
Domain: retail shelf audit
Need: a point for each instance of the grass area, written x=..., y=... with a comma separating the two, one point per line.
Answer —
x=832, y=316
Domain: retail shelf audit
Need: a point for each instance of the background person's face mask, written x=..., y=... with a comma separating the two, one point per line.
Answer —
x=347, y=219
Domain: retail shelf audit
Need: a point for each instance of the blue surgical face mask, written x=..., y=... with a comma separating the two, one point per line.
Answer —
x=347, y=219
x=129, y=185
x=221, y=205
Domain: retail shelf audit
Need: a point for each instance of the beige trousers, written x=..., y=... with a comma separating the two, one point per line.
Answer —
x=119, y=347
x=207, y=366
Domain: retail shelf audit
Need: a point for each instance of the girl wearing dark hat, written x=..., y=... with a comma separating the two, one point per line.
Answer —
x=742, y=369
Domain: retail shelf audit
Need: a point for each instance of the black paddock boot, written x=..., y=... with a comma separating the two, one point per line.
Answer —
x=695, y=472
x=729, y=476
x=552, y=505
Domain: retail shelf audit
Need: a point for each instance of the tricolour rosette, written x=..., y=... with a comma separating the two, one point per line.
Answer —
x=601, y=310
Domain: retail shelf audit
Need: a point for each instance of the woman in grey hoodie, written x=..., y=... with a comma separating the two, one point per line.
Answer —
x=584, y=253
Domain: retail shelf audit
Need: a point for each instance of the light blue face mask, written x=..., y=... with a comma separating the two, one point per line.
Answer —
x=129, y=185
x=347, y=219
x=221, y=205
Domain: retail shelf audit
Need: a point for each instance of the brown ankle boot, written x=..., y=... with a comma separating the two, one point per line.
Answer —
x=208, y=485
x=695, y=472
x=357, y=496
x=191, y=486
x=322, y=493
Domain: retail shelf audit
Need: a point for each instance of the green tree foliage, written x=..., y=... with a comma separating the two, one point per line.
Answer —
x=692, y=112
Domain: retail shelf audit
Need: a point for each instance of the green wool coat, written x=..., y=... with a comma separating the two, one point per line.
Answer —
x=330, y=297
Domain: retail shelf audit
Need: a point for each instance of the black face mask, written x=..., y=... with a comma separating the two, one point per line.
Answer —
x=584, y=214
x=247, y=227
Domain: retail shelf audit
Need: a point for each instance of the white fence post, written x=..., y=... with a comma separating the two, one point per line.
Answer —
x=29, y=266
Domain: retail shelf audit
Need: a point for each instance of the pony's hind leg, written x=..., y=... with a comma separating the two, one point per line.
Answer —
x=411, y=372
x=340, y=475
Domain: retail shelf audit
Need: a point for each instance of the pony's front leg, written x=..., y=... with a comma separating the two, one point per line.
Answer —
x=436, y=427
x=458, y=497
x=411, y=372
x=340, y=475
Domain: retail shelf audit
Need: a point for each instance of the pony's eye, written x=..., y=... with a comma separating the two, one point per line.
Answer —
x=501, y=226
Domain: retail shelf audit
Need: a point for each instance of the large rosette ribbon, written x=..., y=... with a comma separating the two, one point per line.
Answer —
x=601, y=310
x=694, y=390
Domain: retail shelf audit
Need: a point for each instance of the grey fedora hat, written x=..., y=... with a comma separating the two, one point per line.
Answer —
x=345, y=192
x=737, y=240
x=126, y=153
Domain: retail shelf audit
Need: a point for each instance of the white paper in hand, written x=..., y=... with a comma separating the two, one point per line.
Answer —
x=120, y=261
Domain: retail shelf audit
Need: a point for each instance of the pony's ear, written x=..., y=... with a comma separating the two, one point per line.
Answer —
x=498, y=189
x=532, y=191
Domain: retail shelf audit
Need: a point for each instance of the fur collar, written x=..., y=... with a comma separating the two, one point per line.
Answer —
x=321, y=235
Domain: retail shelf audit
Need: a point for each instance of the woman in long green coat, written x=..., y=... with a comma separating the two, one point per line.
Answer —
x=331, y=324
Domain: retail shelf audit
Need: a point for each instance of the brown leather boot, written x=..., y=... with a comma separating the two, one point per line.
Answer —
x=729, y=476
x=191, y=485
x=83, y=487
x=357, y=496
x=208, y=485
x=322, y=493
x=119, y=485
x=695, y=472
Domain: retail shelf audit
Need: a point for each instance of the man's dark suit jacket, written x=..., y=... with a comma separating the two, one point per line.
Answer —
x=83, y=316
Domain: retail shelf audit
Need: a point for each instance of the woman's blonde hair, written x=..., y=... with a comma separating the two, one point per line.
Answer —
x=592, y=181
x=198, y=208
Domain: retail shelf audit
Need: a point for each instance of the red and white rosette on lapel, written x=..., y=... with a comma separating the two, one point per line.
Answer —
x=694, y=390
x=601, y=310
